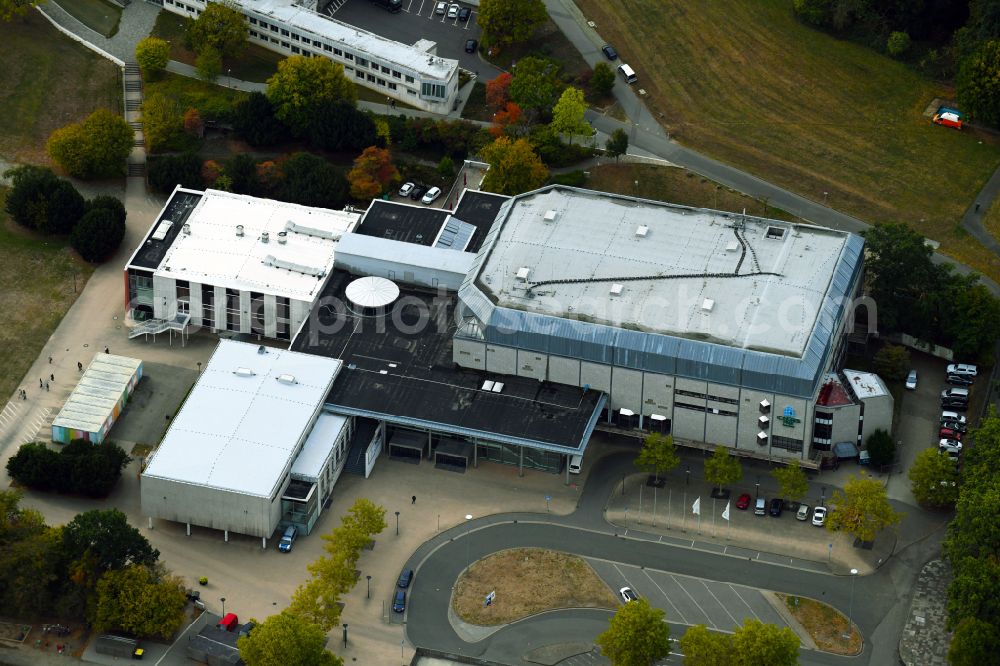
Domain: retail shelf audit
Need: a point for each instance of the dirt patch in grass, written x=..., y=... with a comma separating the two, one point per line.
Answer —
x=747, y=83
x=100, y=16
x=827, y=626
x=527, y=581
x=37, y=275
x=675, y=185
x=47, y=81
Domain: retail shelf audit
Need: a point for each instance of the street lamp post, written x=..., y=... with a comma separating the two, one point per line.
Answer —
x=223, y=600
x=822, y=495
x=397, y=523
x=850, y=606
x=468, y=539
x=369, y=585
x=345, y=635
x=757, y=491
x=687, y=479
x=229, y=75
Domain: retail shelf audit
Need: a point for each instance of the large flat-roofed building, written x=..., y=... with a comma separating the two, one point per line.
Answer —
x=229, y=262
x=716, y=327
x=251, y=447
x=410, y=73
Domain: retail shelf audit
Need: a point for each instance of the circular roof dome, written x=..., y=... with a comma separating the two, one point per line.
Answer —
x=372, y=292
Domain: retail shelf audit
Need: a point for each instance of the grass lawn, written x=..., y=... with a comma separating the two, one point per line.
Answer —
x=211, y=100
x=475, y=106
x=47, y=81
x=547, y=42
x=825, y=625
x=527, y=581
x=98, y=15
x=664, y=183
x=745, y=82
x=37, y=277
x=991, y=220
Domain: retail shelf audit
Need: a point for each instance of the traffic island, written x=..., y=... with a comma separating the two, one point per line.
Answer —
x=828, y=628
x=513, y=584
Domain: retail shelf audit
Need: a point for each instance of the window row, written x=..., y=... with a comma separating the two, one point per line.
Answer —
x=705, y=396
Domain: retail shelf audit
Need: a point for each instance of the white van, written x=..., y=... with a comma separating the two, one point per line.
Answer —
x=627, y=73
x=575, y=464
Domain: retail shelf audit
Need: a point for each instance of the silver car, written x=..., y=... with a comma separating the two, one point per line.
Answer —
x=819, y=516
x=453, y=11
x=911, y=380
x=440, y=8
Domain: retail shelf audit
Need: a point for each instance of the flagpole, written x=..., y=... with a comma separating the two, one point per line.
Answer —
x=670, y=497
x=713, y=517
x=654, y=506
x=640, y=502
x=684, y=516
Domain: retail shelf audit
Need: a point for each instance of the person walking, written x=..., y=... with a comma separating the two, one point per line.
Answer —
x=106, y=351
x=413, y=500
x=46, y=386
x=41, y=384
x=52, y=377
x=79, y=366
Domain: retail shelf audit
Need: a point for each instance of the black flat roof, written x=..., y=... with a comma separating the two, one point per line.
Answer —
x=396, y=369
x=479, y=209
x=177, y=210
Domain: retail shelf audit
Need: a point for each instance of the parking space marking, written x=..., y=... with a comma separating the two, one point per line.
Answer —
x=666, y=596
x=749, y=607
x=707, y=616
x=718, y=601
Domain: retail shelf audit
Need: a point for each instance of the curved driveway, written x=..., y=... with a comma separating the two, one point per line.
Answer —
x=878, y=608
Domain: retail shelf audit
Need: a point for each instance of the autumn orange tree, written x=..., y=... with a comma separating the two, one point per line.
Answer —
x=498, y=91
x=508, y=116
x=373, y=171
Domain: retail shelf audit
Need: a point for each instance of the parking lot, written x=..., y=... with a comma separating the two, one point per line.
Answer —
x=418, y=20
x=687, y=600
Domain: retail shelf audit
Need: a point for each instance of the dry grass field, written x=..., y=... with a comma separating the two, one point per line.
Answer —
x=745, y=82
x=825, y=625
x=527, y=581
x=47, y=81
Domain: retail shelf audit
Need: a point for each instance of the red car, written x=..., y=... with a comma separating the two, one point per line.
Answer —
x=948, y=433
x=743, y=502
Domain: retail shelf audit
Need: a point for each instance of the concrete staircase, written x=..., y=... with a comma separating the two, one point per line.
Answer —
x=132, y=83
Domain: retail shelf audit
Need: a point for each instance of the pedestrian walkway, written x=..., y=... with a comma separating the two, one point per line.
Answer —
x=925, y=638
x=972, y=221
x=137, y=21
x=132, y=82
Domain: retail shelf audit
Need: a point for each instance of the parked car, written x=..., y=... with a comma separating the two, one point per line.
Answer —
x=440, y=8
x=405, y=190
x=418, y=191
x=952, y=416
x=399, y=601
x=803, y=512
x=609, y=52
x=819, y=516
x=948, y=433
x=957, y=426
x=950, y=446
x=760, y=507
x=776, y=504
x=287, y=539
x=405, y=578
x=960, y=380
x=911, y=380
x=229, y=622
x=471, y=45
x=247, y=628
x=962, y=369
x=628, y=594
x=743, y=502
x=453, y=11
x=431, y=196
x=464, y=13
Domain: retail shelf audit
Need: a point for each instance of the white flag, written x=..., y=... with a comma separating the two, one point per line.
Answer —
x=696, y=507
x=725, y=514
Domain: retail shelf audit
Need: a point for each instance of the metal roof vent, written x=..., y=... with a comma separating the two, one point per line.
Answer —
x=616, y=289
x=243, y=372
x=707, y=305
x=551, y=215
x=186, y=229
x=239, y=230
x=642, y=231
x=282, y=237
x=522, y=273
x=264, y=237
x=286, y=379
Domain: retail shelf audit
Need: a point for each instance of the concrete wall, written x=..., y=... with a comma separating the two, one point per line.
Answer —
x=845, y=424
x=878, y=415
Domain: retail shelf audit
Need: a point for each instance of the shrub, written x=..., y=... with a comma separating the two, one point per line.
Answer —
x=39, y=200
x=165, y=172
x=446, y=167
x=254, y=121
x=881, y=448
x=572, y=178
x=152, y=54
x=98, y=234
x=108, y=202
x=242, y=174
x=80, y=468
x=602, y=80
x=162, y=123
x=898, y=44
x=208, y=63
x=94, y=148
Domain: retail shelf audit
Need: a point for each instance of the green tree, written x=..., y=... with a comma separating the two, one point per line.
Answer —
x=30, y=571
x=602, y=81
x=898, y=44
x=974, y=643
x=39, y=200
x=702, y=647
x=286, y=640
x=220, y=27
x=152, y=54
x=892, y=362
x=814, y=12
x=934, y=479
x=791, y=480
x=658, y=454
x=165, y=172
x=108, y=202
x=637, y=635
x=514, y=167
x=139, y=600
x=209, y=63
x=756, y=644
x=568, y=114
x=11, y=9
x=901, y=277
x=536, y=85
x=974, y=591
x=617, y=144
x=35, y=466
x=446, y=167
x=881, y=448
x=505, y=22
x=97, y=235
x=254, y=120
x=722, y=469
x=338, y=125
x=108, y=538
x=94, y=148
x=861, y=509
x=162, y=121
x=243, y=174
x=978, y=83
x=974, y=319
x=302, y=86
x=312, y=181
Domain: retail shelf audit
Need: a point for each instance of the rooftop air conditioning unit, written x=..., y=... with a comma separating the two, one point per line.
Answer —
x=264, y=237
x=243, y=372
x=708, y=305
x=642, y=231
x=732, y=247
x=522, y=273
x=551, y=215
x=286, y=379
x=616, y=289
x=239, y=230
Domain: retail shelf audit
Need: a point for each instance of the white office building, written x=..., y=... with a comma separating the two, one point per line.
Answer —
x=409, y=73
